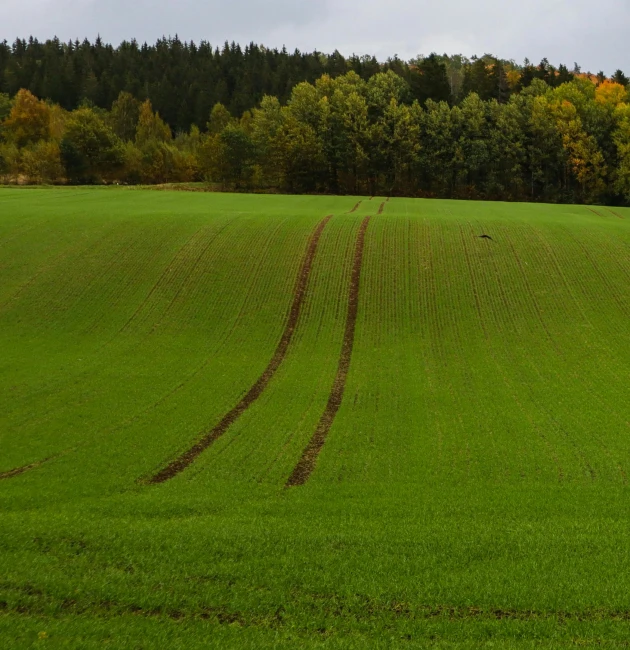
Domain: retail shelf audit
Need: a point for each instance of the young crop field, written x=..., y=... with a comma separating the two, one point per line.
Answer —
x=244, y=421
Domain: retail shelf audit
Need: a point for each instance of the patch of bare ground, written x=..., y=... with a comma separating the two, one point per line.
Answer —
x=188, y=457
x=356, y=207
x=381, y=207
x=308, y=460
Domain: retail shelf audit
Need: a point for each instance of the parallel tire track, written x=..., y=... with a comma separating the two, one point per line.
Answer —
x=158, y=283
x=21, y=470
x=356, y=207
x=172, y=265
x=188, y=457
x=308, y=460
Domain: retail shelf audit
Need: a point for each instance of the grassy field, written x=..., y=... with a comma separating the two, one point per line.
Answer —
x=227, y=421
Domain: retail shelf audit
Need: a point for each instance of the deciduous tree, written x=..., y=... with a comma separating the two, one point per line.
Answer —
x=28, y=120
x=90, y=150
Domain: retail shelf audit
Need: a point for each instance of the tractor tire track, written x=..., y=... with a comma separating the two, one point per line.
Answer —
x=163, y=279
x=49, y=264
x=308, y=460
x=20, y=470
x=188, y=457
x=27, y=468
x=18, y=232
x=356, y=207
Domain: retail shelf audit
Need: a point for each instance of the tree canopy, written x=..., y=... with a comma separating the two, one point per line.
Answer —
x=261, y=119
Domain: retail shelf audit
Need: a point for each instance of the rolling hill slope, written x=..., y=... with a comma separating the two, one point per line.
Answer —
x=259, y=421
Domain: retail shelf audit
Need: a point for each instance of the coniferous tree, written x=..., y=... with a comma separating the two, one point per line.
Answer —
x=330, y=124
x=478, y=79
x=5, y=106
x=498, y=82
x=430, y=81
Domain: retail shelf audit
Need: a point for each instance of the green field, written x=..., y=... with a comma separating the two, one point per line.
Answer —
x=461, y=406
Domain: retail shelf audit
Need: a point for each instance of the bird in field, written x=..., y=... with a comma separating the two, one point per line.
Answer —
x=486, y=237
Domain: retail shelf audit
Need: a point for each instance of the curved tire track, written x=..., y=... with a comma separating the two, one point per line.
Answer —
x=188, y=457
x=157, y=285
x=308, y=460
x=25, y=468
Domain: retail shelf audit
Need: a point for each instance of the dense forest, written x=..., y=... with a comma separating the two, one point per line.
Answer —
x=270, y=120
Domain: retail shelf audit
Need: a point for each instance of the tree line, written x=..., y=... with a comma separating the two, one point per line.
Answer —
x=268, y=120
x=184, y=80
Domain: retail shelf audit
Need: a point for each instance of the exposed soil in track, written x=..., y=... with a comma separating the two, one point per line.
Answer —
x=381, y=207
x=306, y=464
x=338, y=608
x=356, y=207
x=20, y=470
x=615, y=213
x=189, y=456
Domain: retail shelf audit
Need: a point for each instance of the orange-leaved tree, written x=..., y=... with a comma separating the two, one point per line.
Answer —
x=29, y=120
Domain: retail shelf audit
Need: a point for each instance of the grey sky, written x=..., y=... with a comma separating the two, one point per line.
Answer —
x=595, y=34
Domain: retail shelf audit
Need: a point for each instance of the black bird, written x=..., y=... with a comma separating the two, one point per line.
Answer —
x=485, y=237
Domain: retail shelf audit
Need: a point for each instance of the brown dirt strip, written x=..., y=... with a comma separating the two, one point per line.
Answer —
x=597, y=213
x=356, y=207
x=381, y=207
x=20, y=470
x=615, y=213
x=306, y=464
x=189, y=456
x=33, y=601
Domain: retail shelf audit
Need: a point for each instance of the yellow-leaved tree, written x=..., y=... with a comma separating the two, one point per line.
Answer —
x=585, y=162
x=29, y=120
x=621, y=138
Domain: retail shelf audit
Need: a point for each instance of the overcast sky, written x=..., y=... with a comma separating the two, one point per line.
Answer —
x=593, y=33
